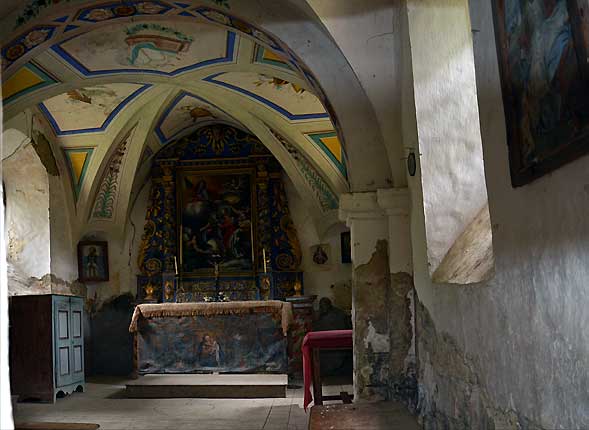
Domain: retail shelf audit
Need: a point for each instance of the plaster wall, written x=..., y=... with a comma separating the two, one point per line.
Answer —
x=64, y=263
x=365, y=32
x=27, y=232
x=334, y=282
x=511, y=352
x=448, y=133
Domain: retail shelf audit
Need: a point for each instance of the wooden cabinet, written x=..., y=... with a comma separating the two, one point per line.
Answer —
x=46, y=346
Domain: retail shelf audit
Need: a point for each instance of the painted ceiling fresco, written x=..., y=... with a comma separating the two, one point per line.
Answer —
x=28, y=78
x=265, y=73
x=329, y=143
x=268, y=57
x=185, y=112
x=89, y=109
x=164, y=48
x=290, y=100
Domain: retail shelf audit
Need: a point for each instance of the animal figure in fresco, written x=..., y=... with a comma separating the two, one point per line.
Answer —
x=209, y=352
x=542, y=61
x=79, y=96
x=154, y=45
x=197, y=112
x=98, y=96
x=278, y=83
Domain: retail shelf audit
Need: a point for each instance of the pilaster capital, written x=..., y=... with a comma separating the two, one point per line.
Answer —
x=395, y=201
x=359, y=206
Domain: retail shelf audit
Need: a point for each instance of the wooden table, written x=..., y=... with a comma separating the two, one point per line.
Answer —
x=313, y=343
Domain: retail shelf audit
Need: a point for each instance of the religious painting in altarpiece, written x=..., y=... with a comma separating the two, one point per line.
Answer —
x=217, y=196
x=215, y=219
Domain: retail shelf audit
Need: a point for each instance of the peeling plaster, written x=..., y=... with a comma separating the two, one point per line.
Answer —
x=375, y=341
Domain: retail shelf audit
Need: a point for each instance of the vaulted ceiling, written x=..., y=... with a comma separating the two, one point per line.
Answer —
x=137, y=85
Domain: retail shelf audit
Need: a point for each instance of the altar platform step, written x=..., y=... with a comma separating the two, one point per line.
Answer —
x=209, y=386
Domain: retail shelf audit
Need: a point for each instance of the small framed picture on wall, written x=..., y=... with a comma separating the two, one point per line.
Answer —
x=93, y=261
x=346, y=247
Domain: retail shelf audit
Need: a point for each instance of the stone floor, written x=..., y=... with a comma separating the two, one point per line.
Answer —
x=104, y=403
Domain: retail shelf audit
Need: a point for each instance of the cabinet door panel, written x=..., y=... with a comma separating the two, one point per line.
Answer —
x=77, y=339
x=62, y=337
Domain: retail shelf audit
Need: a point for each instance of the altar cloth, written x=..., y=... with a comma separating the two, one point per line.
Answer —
x=226, y=337
x=274, y=307
x=333, y=339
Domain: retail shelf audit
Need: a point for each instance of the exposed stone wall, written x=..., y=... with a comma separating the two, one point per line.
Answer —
x=372, y=346
x=383, y=331
x=402, y=373
x=451, y=392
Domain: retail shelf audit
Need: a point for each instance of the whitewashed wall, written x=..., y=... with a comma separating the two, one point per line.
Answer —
x=335, y=283
x=27, y=232
x=523, y=335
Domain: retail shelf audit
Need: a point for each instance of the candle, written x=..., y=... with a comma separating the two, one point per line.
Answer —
x=264, y=257
x=175, y=265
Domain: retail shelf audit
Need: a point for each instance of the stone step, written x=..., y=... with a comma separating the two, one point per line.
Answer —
x=209, y=386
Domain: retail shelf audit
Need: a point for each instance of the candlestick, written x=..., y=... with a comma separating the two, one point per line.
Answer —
x=264, y=258
x=175, y=265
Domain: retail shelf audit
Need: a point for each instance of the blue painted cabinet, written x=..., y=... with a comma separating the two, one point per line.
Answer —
x=46, y=346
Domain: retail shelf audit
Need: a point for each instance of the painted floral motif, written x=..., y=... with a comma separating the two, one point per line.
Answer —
x=149, y=8
x=124, y=10
x=100, y=15
x=107, y=193
x=15, y=52
x=33, y=9
x=224, y=3
x=35, y=37
x=327, y=199
x=213, y=15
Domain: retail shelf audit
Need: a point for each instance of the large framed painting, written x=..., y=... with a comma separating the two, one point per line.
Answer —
x=93, y=261
x=542, y=48
x=215, y=221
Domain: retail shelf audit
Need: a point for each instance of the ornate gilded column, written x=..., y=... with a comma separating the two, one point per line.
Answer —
x=170, y=251
x=264, y=248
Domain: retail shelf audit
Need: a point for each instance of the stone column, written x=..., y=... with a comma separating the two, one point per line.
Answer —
x=379, y=226
x=402, y=381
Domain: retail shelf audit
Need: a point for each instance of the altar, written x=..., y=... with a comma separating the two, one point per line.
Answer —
x=232, y=337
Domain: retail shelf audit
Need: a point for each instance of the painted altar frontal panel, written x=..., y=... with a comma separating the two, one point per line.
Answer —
x=222, y=343
x=216, y=220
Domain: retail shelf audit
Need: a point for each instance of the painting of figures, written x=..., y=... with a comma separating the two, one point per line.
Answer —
x=216, y=221
x=222, y=343
x=93, y=261
x=543, y=62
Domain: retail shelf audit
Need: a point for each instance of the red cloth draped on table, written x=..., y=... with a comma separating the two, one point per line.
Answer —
x=324, y=340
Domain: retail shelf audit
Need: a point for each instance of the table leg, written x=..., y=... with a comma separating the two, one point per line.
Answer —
x=317, y=392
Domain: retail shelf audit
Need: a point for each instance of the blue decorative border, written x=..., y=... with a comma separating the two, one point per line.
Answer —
x=229, y=50
x=59, y=132
x=158, y=131
x=47, y=80
x=272, y=105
